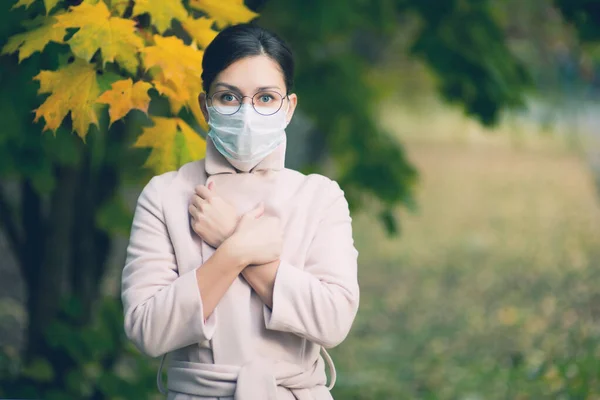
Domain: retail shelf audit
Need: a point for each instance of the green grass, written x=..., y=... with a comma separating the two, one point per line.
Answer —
x=492, y=291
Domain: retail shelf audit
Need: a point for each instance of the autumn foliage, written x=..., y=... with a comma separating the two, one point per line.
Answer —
x=110, y=48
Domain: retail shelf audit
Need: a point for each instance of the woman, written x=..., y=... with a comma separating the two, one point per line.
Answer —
x=240, y=269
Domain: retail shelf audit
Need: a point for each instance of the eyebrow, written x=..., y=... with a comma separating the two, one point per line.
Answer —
x=235, y=88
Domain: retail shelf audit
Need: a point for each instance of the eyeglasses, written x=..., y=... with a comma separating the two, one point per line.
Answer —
x=266, y=102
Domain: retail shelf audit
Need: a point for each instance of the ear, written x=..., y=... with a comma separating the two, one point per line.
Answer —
x=292, y=99
x=203, y=105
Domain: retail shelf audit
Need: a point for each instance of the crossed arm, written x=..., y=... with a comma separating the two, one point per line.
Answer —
x=262, y=279
x=165, y=311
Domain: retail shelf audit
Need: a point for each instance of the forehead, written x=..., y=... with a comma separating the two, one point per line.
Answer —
x=250, y=73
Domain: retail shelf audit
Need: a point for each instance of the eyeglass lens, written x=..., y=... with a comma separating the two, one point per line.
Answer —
x=266, y=102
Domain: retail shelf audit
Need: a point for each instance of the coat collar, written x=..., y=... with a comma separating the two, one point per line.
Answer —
x=215, y=163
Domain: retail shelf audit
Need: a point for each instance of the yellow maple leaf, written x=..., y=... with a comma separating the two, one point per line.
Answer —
x=73, y=88
x=27, y=43
x=176, y=60
x=117, y=7
x=176, y=70
x=162, y=12
x=173, y=143
x=177, y=99
x=200, y=30
x=179, y=76
x=50, y=4
x=194, y=106
x=114, y=36
x=224, y=12
x=124, y=97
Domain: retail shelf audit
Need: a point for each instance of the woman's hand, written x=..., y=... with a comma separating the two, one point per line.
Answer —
x=257, y=239
x=213, y=219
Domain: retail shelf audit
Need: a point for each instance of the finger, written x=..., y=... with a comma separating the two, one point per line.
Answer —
x=204, y=192
x=211, y=185
x=194, y=212
x=200, y=207
x=198, y=201
x=256, y=212
x=197, y=227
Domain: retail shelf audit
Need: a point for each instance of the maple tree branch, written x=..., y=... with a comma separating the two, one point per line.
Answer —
x=7, y=222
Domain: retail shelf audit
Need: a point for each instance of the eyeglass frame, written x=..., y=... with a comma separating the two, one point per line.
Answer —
x=241, y=99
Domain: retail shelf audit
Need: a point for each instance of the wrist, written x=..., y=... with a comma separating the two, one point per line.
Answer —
x=233, y=251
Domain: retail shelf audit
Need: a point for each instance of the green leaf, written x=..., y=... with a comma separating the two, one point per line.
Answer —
x=390, y=222
x=99, y=342
x=42, y=179
x=23, y=3
x=39, y=370
x=57, y=394
x=72, y=307
x=62, y=336
x=78, y=384
x=63, y=148
x=111, y=385
x=115, y=217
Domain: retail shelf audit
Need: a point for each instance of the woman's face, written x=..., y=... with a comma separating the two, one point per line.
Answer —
x=248, y=76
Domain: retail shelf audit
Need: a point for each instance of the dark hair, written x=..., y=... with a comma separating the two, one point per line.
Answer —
x=245, y=40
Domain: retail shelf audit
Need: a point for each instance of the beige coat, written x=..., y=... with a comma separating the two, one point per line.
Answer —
x=244, y=350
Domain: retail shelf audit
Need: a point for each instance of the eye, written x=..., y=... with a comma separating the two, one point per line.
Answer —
x=265, y=98
x=267, y=102
x=227, y=97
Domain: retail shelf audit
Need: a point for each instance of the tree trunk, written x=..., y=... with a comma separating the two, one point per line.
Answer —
x=90, y=245
x=64, y=254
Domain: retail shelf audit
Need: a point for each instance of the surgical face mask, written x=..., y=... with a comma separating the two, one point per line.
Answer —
x=246, y=137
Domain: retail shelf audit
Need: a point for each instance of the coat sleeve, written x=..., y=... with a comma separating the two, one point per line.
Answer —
x=163, y=310
x=320, y=301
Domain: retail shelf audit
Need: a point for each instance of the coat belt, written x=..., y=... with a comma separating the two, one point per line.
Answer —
x=257, y=379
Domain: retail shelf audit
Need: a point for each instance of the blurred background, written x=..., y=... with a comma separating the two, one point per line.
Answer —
x=465, y=133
